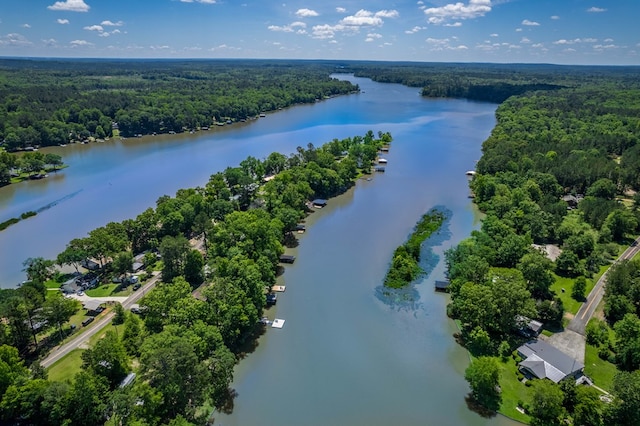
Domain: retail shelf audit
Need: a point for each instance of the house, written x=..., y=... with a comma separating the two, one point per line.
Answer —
x=319, y=202
x=528, y=327
x=90, y=264
x=127, y=380
x=572, y=200
x=93, y=307
x=543, y=361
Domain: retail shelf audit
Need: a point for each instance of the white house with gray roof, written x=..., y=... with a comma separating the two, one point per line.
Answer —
x=546, y=362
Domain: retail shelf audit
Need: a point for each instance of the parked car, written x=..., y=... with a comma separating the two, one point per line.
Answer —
x=136, y=286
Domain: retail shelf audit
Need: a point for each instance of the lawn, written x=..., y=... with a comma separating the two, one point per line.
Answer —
x=513, y=391
x=599, y=370
x=103, y=290
x=570, y=304
x=66, y=367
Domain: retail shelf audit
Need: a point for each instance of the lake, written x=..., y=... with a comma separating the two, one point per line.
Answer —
x=347, y=355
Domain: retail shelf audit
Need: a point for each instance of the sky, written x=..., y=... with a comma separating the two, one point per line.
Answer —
x=599, y=32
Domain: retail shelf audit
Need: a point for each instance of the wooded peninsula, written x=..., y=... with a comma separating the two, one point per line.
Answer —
x=557, y=183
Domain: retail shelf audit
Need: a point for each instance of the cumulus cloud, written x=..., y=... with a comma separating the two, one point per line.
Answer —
x=387, y=14
x=63, y=21
x=294, y=26
x=199, y=1
x=14, y=39
x=577, y=40
x=50, y=42
x=76, y=43
x=70, y=6
x=98, y=28
x=306, y=13
x=112, y=24
x=525, y=40
x=362, y=18
x=372, y=37
x=530, y=23
x=596, y=10
x=26, y=26
x=454, y=24
x=414, y=30
x=341, y=10
x=474, y=9
x=555, y=17
x=493, y=35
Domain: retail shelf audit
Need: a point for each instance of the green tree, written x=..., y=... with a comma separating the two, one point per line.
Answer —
x=58, y=310
x=108, y=359
x=174, y=251
x=625, y=406
x=133, y=334
x=536, y=271
x=546, y=407
x=85, y=400
x=194, y=268
x=120, y=314
x=588, y=408
x=483, y=375
x=123, y=263
x=579, y=287
x=11, y=367
x=627, y=346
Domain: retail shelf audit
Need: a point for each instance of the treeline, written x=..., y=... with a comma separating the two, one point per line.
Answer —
x=492, y=82
x=44, y=103
x=184, y=345
x=559, y=168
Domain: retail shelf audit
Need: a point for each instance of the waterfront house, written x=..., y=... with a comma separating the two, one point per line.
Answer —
x=319, y=202
x=543, y=361
x=287, y=258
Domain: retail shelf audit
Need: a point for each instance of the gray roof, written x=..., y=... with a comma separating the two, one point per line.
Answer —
x=545, y=361
x=92, y=304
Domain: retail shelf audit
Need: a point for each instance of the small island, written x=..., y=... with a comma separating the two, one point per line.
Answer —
x=405, y=264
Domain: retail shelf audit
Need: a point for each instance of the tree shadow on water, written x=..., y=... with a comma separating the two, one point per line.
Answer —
x=476, y=407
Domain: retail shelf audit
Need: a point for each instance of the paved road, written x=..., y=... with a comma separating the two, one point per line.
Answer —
x=81, y=339
x=588, y=308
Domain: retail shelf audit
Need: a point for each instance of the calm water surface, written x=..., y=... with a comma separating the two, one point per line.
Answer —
x=346, y=356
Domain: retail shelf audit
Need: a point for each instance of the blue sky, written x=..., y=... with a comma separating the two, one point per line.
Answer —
x=549, y=31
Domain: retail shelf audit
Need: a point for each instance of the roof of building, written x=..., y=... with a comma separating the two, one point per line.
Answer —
x=545, y=361
x=91, y=305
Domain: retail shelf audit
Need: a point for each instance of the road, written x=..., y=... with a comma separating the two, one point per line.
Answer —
x=588, y=308
x=81, y=339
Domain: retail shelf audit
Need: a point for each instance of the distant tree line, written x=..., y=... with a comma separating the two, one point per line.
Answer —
x=44, y=103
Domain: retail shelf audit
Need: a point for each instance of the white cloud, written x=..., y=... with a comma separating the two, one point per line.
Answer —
x=163, y=47
x=596, y=10
x=555, y=17
x=94, y=28
x=362, y=18
x=63, y=21
x=112, y=24
x=493, y=35
x=372, y=37
x=26, y=26
x=474, y=9
x=537, y=45
x=525, y=40
x=288, y=28
x=414, y=30
x=578, y=40
x=387, y=14
x=518, y=30
x=70, y=6
x=14, y=39
x=326, y=31
x=455, y=24
x=341, y=10
x=80, y=43
x=530, y=23
x=50, y=42
x=306, y=13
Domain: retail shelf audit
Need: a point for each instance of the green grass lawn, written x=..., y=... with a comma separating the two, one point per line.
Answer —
x=66, y=367
x=570, y=304
x=103, y=290
x=600, y=371
x=513, y=391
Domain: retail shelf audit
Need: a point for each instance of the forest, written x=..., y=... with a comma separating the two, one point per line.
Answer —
x=196, y=323
x=54, y=102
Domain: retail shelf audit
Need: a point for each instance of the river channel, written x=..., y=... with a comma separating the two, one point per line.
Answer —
x=346, y=355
